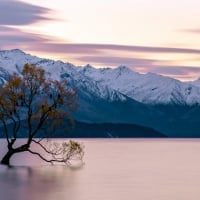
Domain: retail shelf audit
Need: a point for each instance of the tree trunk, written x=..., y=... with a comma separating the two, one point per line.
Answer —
x=6, y=159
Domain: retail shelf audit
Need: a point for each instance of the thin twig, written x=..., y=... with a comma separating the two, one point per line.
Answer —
x=49, y=161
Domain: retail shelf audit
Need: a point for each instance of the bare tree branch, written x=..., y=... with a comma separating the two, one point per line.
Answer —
x=44, y=148
x=46, y=160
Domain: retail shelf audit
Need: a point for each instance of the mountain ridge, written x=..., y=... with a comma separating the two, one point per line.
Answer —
x=121, y=95
x=119, y=82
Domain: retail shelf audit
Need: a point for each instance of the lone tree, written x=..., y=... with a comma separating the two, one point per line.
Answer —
x=34, y=105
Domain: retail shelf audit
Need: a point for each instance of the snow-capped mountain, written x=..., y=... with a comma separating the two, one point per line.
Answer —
x=195, y=82
x=14, y=60
x=121, y=95
x=107, y=83
x=146, y=88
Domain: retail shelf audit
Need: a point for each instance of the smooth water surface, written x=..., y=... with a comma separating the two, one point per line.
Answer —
x=117, y=169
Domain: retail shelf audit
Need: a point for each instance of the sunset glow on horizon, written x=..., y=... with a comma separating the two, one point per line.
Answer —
x=147, y=36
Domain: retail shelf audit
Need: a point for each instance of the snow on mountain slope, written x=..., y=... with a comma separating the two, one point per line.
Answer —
x=14, y=60
x=146, y=88
x=195, y=82
x=111, y=84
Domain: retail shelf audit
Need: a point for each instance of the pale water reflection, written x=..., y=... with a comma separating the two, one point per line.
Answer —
x=114, y=170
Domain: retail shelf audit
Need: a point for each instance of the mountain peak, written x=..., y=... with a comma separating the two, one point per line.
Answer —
x=124, y=68
x=88, y=66
x=88, y=69
x=17, y=51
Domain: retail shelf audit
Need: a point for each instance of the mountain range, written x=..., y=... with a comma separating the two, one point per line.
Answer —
x=120, y=95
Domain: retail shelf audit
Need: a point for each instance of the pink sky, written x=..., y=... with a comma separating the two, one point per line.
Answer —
x=148, y=36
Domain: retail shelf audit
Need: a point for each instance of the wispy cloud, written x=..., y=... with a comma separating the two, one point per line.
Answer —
x=15, y=38
x=191, y=30
x=183, y=73
x=13, y=12
x=116, y=61
x=67, y=48
x=85, y=48
x=175, y=70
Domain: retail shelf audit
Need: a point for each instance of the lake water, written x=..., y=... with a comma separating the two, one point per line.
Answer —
x=115, y=169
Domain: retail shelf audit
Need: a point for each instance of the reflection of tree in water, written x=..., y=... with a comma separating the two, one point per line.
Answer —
x=46, y=183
